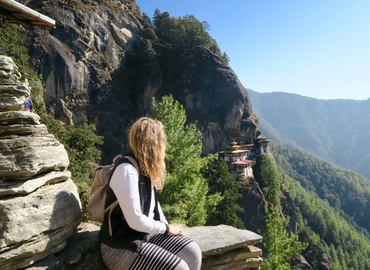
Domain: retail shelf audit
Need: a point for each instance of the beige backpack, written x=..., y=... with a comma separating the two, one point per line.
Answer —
x=100, y=182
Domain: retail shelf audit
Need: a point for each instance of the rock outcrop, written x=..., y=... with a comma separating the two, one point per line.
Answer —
x=214, y=97
x=253, y=203
x=39, y=203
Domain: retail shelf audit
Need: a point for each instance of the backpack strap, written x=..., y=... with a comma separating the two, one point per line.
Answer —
x=134, y=163
x=117, y=161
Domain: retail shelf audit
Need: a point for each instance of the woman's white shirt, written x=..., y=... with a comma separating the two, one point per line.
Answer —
x=125, y=185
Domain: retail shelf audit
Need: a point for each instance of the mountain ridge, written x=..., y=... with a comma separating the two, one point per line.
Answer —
x=331, y=129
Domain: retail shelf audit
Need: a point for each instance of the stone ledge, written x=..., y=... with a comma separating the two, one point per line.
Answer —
x=214, y=240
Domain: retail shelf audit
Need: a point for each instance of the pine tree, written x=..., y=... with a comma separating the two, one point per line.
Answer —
x=280, y=246
x=279, y=243
x=271, y=180
x=183, y=198
x=222, y=182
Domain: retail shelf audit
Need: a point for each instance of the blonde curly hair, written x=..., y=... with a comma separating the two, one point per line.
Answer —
x=147, y=140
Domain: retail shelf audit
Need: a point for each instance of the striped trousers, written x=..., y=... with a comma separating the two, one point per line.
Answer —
x=161, y=252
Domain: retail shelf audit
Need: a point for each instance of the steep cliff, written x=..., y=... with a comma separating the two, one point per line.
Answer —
x=83, y=66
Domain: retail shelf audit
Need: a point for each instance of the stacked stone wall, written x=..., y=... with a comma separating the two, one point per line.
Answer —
x=39, y=203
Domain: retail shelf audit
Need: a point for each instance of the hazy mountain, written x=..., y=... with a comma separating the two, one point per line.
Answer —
x=336, y=130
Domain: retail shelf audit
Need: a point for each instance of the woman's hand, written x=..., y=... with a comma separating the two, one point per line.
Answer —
x=175, y=229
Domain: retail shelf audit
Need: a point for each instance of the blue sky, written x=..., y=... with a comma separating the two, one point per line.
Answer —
x=315, y=48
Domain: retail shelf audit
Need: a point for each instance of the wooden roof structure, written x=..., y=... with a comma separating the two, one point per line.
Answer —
x=13, y=12
x=242, y=162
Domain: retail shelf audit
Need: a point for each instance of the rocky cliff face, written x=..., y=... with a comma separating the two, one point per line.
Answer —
x=212, y=95
x=39, y=203
x=82, y=65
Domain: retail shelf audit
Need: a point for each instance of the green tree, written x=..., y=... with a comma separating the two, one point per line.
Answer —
x=226, y=58
x=271, y=180
x=279, y=244
x=81, y=144
x=183, y=33
x=222, y=182
x=184, y=197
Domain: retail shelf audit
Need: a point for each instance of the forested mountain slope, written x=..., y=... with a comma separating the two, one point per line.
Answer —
x=333, y=203
x=336, y=130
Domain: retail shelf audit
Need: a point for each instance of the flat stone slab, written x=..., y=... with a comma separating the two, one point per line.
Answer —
x=214, y=240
